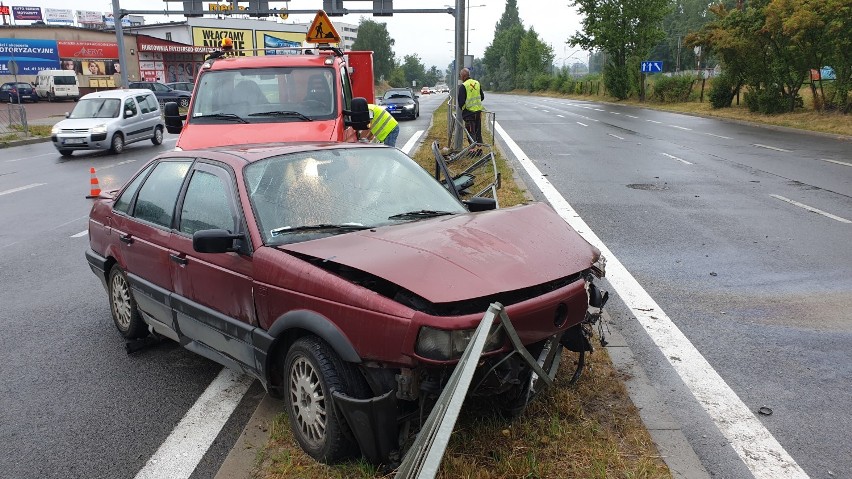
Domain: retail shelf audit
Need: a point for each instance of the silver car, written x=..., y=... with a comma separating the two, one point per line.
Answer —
x=109, y=120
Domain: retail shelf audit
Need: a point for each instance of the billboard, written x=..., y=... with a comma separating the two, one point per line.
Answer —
x=89, y=17
x=211, y=37
x=58, y=15
x=27, y=13
x=30, y=55
x=85, y=50
x=278, y=43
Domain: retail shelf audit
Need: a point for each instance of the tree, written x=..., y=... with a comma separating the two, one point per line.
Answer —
x=626, y=30
x=374, y=36
x=507, y=40
x=534, y=59
x=413, y=70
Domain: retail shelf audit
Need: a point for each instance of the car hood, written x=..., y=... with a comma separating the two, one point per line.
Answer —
x=195, y=136
x=83, y=123
x=398, y=101
x=454, y=258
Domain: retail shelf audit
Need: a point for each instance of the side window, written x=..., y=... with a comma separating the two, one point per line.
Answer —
x=130, y=105
x=143, y=105
x=152, y=103
x=159, y=87
x=156, y=200
x=122, y=204
x=207, y=204
x=347, y=89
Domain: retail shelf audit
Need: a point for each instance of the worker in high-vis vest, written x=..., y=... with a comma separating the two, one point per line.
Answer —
x=470, y=96
x=383, y=126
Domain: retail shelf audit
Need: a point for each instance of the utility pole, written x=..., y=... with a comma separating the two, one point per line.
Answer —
x=119, y=38
x=677, y=68
x=459, y=64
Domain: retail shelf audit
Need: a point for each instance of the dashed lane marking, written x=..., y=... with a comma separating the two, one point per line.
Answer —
x=560, y=116
x=655, y=121
x=836, y=162
x=769, y=147
x=811, y=209
x=22, y=188
x=29, y=157
x=115, y=164
x=681, y=127
x=631, y=116
x=615, y=136
x=676, y=158
x=757, y=448
x=582, y=124
x=718, y=136
x=80, y=234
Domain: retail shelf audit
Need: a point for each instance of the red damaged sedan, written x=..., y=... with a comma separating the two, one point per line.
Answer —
x=342, y=276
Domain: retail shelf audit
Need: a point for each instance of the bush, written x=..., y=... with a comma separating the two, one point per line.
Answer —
x=541, y=82
x=616, y=81
x=767, y=101
x=722, y=91
x=672, y=89
x=556, y=83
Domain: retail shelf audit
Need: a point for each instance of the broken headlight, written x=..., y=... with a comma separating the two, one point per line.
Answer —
x=444, y=345
x=599, y=267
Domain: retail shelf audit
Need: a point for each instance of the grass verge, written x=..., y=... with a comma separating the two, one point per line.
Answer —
x=588, y=430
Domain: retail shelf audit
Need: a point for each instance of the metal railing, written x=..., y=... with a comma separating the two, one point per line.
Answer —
x=13, y=119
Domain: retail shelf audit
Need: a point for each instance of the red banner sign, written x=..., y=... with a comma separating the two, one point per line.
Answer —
x=4, y=10
x=85, y=50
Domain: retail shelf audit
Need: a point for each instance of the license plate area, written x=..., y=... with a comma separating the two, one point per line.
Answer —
x=73, y=141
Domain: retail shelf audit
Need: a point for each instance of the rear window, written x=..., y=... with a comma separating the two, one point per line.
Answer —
x=65, y=80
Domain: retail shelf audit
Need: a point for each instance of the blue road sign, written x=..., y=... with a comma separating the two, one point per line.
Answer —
x=652, y=67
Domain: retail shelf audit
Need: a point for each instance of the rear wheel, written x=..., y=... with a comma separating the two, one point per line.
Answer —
x=117, y=143
x=158, y=136
x=313, y=372
x=66, y=152
x=51, y=96
x=183, y=102
x=126, y=317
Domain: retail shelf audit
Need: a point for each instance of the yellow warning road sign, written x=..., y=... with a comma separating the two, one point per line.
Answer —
x=321, y=30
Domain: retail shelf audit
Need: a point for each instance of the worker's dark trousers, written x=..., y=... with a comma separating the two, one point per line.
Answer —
x=473, y=124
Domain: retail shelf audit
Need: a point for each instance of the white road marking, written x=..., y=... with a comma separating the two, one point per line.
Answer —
x=411, y=142
x=560, y=116
x=757, y=448
x=582, y=124
x=654, y=121
x=597, y=109
x=22, y=188
x=614, y=112
x=811, y=209
x=676, y=158
x=546, y=111
x=835, y=161
x=181, y=452
x=681, y=127
x=631, y=116
x=615, y=136
x=80, y=234
x=719, y=136
x=115, y=164
x=769, y=147
x=29, y=157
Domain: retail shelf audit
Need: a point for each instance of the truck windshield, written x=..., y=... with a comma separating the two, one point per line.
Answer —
x=259, y=95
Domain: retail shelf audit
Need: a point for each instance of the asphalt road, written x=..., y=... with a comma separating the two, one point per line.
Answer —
x=73, y=403
x=710, y=218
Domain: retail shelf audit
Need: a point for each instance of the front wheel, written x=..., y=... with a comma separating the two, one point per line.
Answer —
x=117, y=143
x=66, y=153
x=158, y=136
x=126, y=317
x=313, y=372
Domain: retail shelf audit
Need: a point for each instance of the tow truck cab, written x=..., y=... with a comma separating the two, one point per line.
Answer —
x=315, y=94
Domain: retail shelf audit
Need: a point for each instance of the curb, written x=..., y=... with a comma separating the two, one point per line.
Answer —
x=674, y=449
x=28, y=141
x=241, y=461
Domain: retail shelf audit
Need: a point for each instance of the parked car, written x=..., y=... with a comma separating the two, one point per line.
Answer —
x=55, y=85
x=164, y=94
x=181, y=85
x=18, y=92
x=109, y=120
x=401, y=102
x=336, y=273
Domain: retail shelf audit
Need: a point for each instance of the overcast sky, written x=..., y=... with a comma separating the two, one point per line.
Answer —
x=428, y=35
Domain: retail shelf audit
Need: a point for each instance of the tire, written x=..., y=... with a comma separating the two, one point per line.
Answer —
x=50, y=96
x=183, y=102
x=417, y=113
x=312, y=373
x=117, y=144
x=66, y=153
x=158, y=136
x=125, y=315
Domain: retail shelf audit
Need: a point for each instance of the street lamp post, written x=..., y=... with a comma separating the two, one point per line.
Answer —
x=467, y=27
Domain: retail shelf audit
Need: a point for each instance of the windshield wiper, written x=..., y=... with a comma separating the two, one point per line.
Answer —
x=419, y=214
x=294, y=114
x=226, y=116
x=323, y=226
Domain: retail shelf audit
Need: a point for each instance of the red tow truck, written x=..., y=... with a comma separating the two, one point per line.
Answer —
x=310, y=94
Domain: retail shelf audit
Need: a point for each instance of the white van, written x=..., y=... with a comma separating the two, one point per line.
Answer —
x=57, y=85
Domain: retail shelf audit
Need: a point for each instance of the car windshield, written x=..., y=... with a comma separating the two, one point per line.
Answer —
x=337, y=191
x=249, y=93
x=397, y=94
x=97, y=108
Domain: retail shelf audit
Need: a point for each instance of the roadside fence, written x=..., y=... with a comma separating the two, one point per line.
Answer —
x=13, y=119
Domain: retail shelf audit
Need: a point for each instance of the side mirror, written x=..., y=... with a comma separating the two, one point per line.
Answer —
x=173, y=118
x=216, y=241
x=479, y=203
x=359, y=115
x=128, y=113
x=67, y=114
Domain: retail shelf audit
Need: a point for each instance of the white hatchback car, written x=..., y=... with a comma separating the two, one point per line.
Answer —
x=109, y=120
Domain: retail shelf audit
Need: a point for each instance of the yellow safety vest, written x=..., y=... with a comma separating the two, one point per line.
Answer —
x=382, y=123
x=474, y=95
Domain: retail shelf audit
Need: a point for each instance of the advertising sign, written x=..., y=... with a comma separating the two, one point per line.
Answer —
x=89, y=17
x=58, y=15
x=212, y=37
x=30, y=55
x=27, y=13
x=164, y=46
x=278, y=43
x=109, y=21
x=97, y=50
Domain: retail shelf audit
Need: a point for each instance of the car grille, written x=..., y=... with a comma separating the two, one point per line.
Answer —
x=75, y=130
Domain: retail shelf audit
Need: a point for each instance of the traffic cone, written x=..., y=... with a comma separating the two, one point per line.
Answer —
x=95, y=190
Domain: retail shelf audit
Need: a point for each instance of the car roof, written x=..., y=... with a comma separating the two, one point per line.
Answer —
x=260, y=151
x=265, y=61
x=120, y=94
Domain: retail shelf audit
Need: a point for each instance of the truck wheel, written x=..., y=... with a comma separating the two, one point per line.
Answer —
x=66, y=152
x=158, y=136
x=126, y=317
x=313, y=372
x=117, y=143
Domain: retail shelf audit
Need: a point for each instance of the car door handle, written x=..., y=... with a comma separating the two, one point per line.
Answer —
x=126, y=239
x=177, y=259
